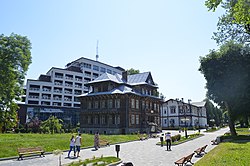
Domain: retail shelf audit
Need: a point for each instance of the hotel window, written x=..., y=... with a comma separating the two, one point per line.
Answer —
x=109, y=71
x=137, y=119
x=132, y=119
x=132, y=103
x=103, y=119
x=89, y=119
x=117, y=103
x=110, y=103
x=89, y=105
x=155, y=107
x=103, y=104
x=96, y=120
x=96, y=104
x=95, y=67
x=117, y=119
x=165, y=121
x=103, y=70
x=172, y=110
x=137, y=104
x=146, y=104
x=86, y=65
x=143, y=104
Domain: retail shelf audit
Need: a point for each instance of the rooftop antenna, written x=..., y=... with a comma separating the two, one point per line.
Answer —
x=97, y=56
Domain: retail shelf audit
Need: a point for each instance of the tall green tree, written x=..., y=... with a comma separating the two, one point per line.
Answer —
x=52, y=125
x=234, y=24
x=228, y=81
x=15, y=58
x=214, y=114
x=133, y=71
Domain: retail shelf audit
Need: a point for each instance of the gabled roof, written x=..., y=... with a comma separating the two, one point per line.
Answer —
x=135, y=79
x=107, y=77
x=199, y=104
x=123, y=89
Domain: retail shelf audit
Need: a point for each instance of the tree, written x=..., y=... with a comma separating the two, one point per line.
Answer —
x=133, y=71
x=235, y=23
x=228, y=81
x=214, y=114
x=15, y=58
x=52, y=125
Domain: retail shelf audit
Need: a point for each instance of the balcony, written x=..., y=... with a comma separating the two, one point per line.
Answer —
x=78, y=79
x=46, y=90
x=46, y=97
x=35, y=89
x=78, y=86
x=59, y=76
x=58, y=83
x=57, y=91
x=57, y=98
x=69, y=78
x=34, y=97
x=69, y=85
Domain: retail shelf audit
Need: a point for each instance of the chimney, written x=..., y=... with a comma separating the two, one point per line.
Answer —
x=125, y=76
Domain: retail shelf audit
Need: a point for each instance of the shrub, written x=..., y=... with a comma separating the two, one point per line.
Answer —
x=176, y=137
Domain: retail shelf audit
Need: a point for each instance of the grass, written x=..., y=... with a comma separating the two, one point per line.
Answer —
x=10, y=142
x=102, y=161
x=234, y=152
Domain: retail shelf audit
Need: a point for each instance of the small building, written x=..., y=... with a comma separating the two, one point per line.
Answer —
x=121, y=104
x=178, y=114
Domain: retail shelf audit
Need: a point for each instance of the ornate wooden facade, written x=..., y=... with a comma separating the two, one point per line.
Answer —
x=120, y=105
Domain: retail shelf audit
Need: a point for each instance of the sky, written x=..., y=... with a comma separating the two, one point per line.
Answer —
x=165, y=37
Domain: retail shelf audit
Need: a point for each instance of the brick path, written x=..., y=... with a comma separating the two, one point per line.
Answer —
x=140, y=153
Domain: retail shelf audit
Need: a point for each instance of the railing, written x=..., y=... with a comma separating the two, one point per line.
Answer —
x=70, y=85
x=35, y=89
x=46, y=97
x=56, y=98
x=47, y=90
x=69, y=78
x=58, y=91
x=34, y=97
x=58, y=76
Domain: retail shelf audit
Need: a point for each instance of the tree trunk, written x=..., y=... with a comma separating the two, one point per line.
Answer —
x=230, y=120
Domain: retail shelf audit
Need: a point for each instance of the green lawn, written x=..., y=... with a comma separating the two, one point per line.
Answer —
x=10, y=142
x=234, y=152
x=102, y=161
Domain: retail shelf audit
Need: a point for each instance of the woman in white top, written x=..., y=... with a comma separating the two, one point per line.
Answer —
x=78, y=144
x=72, y=146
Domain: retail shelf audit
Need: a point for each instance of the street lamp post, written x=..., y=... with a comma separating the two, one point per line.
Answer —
x=185, y=119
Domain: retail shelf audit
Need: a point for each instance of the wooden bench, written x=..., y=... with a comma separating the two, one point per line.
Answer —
x=31, y=150
x=103, y=142
x=184, y=160
x=200, y=150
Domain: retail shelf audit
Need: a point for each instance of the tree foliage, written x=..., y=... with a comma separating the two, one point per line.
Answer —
x=15, y=58
x=52, y=125
x=228, y=81
x=214, y=114
x=133, y=71
x=235, y=23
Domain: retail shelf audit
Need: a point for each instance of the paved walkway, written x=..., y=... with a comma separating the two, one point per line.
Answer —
x=140, y=153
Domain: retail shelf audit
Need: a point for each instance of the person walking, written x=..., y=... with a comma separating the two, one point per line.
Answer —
x=72, y=146
x=78, y=143
x=168, y=140
x=96, y=141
